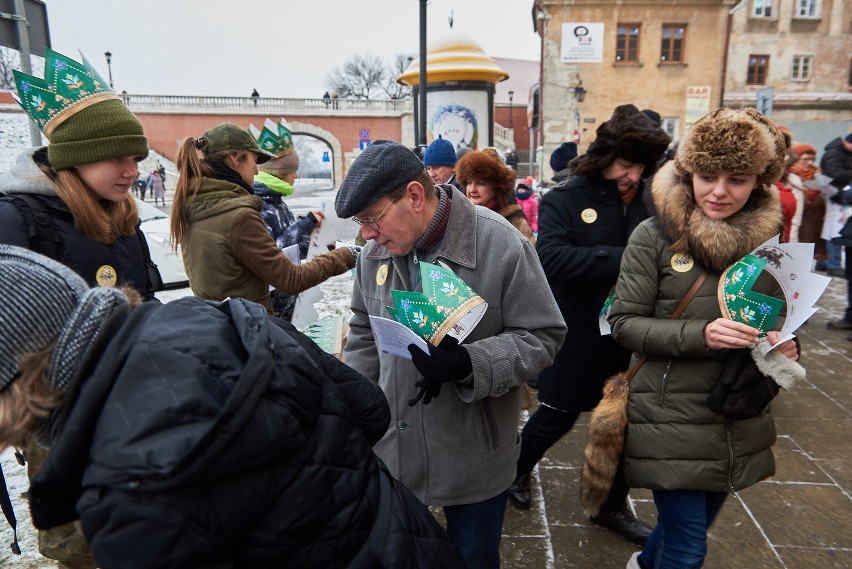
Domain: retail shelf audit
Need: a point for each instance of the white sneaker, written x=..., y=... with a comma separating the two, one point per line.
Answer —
x=634, y=561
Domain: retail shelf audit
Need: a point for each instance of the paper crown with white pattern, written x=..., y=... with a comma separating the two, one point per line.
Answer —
x=446, y=307
x=274, y=137
x=790, y=265
x=68, y=87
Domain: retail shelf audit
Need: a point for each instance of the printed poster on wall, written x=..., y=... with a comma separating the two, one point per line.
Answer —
x=582, y=42
x=458, y=116
x=697, y=104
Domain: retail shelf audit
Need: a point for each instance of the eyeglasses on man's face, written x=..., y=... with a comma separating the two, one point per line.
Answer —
x=374, y=223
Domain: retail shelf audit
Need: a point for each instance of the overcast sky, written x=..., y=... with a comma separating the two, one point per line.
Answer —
x=282, y=48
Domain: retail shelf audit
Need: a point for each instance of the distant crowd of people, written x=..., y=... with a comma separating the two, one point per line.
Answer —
x=209, y=432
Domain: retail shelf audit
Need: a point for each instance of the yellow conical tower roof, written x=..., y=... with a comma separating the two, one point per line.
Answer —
x=454, y=57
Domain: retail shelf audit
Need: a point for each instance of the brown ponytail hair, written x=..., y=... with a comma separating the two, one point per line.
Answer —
x=192, y=167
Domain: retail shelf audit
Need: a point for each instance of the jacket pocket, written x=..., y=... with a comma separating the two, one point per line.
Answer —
x=488, y=426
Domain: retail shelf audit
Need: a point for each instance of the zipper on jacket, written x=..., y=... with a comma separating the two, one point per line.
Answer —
x=664, y=382
x=730, y=434
x=414, y=252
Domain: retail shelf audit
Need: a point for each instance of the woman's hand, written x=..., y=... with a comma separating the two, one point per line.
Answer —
x=726, y=334
x=319, y=215
x=788, y=348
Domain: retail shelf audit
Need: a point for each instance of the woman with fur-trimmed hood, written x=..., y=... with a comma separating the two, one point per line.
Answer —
x=490, y=183
x=583, y=226
x=712, y=206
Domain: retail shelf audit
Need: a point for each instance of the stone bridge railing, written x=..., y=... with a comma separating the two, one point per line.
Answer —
x=265, y=105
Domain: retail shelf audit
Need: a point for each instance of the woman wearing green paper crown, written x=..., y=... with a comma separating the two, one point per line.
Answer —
x=699, y=425
x=71, y=201
x=227, y=250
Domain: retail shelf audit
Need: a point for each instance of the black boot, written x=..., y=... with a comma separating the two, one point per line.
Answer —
x=624, y=523
x=519, y=492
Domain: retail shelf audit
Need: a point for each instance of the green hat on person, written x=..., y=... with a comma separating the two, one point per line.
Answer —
x=229, y=136
x=82, y=119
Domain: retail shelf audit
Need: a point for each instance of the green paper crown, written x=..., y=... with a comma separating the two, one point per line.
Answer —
x=739, y=302
x=67, y=87
x=444, y=302
x=274, y=138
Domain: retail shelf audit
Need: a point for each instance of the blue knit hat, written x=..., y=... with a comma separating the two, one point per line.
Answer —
x=440, y=153
x=563, y=154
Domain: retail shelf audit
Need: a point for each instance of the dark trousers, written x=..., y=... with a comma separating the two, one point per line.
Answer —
x=848, y=315
x=542, y=431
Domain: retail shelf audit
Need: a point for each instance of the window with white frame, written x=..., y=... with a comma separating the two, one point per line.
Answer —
x=762, y=9
x=802, y=65
x=807, y=8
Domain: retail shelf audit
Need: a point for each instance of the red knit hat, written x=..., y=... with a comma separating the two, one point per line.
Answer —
x=800, y=148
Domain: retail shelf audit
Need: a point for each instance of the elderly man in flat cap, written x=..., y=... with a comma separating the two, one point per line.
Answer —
x=459, y=450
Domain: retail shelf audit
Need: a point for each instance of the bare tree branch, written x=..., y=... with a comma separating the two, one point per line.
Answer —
x=8, y=62
x=390, y=87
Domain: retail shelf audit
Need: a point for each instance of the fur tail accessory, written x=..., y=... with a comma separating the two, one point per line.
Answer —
x=602, y=454
x=608, y=426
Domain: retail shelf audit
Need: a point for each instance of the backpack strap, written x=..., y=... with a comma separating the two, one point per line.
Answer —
x=41, y=232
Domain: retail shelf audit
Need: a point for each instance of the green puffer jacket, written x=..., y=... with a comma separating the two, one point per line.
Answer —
x=674, y=441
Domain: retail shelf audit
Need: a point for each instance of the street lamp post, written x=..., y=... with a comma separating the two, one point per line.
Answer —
x=108, y=56
x=511, y=94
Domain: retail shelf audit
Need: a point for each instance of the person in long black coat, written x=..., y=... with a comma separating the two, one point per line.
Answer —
x=584, y=224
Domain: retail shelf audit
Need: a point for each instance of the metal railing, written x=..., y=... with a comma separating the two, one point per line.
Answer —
x=265, y=104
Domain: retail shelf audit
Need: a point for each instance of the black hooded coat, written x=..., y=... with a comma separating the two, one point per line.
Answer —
x=206, y=434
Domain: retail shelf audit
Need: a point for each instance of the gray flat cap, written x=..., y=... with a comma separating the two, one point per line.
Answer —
x=381, y=168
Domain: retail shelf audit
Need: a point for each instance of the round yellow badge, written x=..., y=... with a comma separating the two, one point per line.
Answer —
x=106, y=276
x=382, y=275
x=682, y=262
x=589, y=215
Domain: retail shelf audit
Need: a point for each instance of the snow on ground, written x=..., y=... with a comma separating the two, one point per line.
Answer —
x=337, y=293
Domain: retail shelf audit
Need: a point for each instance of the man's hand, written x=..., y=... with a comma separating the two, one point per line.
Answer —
x=446, y=362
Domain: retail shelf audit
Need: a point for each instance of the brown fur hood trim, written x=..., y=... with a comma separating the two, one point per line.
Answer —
x=715, y=244
x=484, y=167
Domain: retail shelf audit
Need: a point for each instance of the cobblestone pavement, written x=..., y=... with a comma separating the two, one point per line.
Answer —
x=799, y=519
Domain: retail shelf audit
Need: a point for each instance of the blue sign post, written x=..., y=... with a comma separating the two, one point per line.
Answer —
x=363, y=143
x=326, y=157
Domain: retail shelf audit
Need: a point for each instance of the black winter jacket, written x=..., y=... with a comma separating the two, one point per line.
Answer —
x=206, y=434
x=836, y=163
x=583, y=227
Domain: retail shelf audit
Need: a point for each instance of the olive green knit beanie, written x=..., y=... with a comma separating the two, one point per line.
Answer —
x=101, y=131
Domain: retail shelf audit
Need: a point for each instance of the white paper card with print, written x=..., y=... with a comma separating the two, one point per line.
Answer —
x=790, y=264
x=393, y=337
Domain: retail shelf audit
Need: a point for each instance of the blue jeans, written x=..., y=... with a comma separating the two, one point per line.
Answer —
x=680, y=539
x=475, y=530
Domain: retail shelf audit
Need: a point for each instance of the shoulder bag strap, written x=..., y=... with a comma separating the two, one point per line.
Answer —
x=676, y=316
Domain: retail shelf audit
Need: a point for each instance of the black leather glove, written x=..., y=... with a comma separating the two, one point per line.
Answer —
x=446, y=362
